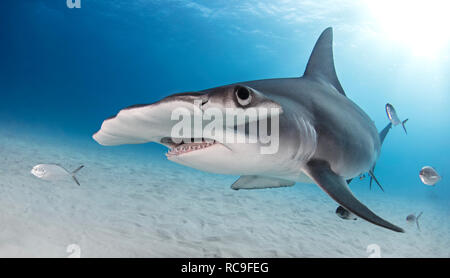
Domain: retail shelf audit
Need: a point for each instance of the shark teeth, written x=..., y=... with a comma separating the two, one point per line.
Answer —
x=188, y=147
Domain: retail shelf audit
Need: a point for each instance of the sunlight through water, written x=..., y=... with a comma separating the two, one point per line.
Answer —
x=420, y=26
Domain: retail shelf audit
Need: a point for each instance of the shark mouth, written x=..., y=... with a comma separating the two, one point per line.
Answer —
x=185, y=146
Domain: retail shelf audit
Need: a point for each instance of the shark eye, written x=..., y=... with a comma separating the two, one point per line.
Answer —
x=243, y=96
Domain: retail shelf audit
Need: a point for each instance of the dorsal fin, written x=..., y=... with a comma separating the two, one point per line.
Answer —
x=321, y=64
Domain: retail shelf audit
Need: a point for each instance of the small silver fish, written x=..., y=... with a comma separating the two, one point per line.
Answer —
x=392, y=115
x=413, y=218
x=429, y=176
x=53, y=172
x=345, y=214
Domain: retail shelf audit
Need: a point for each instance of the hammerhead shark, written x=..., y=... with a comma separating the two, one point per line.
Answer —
x=324, y=137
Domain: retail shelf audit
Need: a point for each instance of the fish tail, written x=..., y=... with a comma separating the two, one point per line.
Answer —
x=417, y=220
x=78, y=169
x=75, y=179
x=404, y=127
x=74, y=172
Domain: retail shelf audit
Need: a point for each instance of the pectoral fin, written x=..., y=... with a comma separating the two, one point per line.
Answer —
x=259, y=182
x=337, y=188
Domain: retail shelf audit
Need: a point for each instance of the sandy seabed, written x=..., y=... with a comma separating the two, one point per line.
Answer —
x=128, y=207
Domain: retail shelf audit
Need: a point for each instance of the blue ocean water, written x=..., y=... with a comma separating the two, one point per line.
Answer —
x=63, y=71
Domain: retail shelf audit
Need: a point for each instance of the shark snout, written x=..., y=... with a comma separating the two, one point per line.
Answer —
x=190, y=97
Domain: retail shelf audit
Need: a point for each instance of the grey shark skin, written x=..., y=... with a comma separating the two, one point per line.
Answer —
x=324, y=137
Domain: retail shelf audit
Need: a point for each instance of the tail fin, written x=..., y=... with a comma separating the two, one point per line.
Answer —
x=385, y=131
x=417, y=220
x=75, y=179
x=403, y=124
x=78, y=169
x=382, y=135
x=74, y=172
x=372, y=176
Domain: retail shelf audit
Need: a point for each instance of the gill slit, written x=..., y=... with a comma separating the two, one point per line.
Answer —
x=308, y=139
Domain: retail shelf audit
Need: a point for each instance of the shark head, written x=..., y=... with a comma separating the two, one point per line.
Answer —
x=228, y=129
